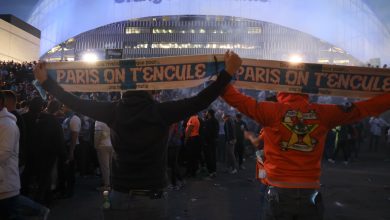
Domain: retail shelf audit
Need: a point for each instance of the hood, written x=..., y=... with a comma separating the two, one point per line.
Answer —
x=135, y=106
x=5, y=114
x=136, y=98
x=285, y=97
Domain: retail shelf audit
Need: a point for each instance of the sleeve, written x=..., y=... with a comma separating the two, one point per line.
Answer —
x=7, y=143
x=102, y=111
x=335, y=115
x=249, y=106
x=175, y=111
x=75, y=124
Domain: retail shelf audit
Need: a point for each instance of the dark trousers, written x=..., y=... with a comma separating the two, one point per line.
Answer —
x=343, y=145
x=374, y=142
x=211, y=155
x=66, y=178
x=44, y=180
x=194, y=151
x=292, y=204
x=173, y=154
x=38, y=173
x=18, y=207
x=239, y=148
x=9, y=209
x=83, y=157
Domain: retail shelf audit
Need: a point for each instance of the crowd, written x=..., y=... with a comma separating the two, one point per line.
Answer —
x=58, y=141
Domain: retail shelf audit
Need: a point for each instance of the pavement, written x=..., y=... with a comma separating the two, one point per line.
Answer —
x=358, y=191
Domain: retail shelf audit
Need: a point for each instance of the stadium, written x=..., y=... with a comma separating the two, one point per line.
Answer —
x=344, y=32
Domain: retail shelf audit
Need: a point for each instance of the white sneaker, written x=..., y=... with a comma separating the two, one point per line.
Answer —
x=46, y=213
x=234, y=171
x=330, y=160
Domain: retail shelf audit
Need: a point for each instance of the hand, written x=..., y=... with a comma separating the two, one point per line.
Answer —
x=40, y=72
x=232, y=62
x=248, y=135
x=70, y=158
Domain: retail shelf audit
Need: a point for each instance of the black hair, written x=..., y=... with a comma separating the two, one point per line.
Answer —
x=36, y=104
x=211, y=111
x=9, y=94
x=53, y=106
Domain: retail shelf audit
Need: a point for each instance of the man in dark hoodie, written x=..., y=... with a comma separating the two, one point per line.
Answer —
x=139, y=132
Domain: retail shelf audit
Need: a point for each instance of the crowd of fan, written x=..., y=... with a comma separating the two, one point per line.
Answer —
x=17, y=77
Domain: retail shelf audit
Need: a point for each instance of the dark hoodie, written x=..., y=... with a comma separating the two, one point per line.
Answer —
x=139, y=130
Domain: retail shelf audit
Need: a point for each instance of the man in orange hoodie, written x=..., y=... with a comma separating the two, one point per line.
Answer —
x=294, y=137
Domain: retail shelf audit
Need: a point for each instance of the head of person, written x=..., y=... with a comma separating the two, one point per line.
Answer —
x=210, y=113
x=66, y=109
x=238, y=117
x=284, y=97
x=53, y=106
x=36, y=105
x=23, y=104
x=271, y=97
x=10, y=100
x=225, y=116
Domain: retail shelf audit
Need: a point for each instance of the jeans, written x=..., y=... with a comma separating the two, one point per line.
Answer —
x=10, y=209
x=292, y=204
x=132, y=206
x=231, y=157
x=17, y=207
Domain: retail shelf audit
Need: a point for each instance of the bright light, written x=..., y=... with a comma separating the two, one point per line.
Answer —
x=295, y=59
x=90, y=57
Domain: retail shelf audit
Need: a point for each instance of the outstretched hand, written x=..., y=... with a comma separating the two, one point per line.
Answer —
x=232, y=62
x=40, y=72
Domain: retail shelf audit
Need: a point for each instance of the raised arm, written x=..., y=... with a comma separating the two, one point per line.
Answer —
x=101, y=111
x=174, y=111
x=8, y=140
x=336, y=115
x=244, y=104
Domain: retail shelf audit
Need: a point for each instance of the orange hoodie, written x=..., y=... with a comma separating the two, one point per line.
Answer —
x=295, y=132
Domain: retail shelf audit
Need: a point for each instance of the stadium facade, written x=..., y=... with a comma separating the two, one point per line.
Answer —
x=337, y=31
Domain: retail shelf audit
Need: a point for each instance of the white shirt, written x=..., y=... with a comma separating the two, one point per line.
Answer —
x=376, y=125
x=75, y=126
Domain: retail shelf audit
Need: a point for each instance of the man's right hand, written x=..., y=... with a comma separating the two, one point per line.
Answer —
x=40, y=72
x=232, y=62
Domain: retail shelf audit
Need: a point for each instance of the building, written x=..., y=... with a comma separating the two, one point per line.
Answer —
x=339, y=31
x=19, y=41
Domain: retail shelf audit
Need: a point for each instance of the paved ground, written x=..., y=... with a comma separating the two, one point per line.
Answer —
x=358, y=191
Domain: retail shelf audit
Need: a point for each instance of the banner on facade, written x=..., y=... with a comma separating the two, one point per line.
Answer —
x=190, y=71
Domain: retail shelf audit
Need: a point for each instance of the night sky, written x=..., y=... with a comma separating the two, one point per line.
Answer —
x=18, y=8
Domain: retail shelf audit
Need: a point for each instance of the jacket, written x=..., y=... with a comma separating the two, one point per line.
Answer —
x=9, y=153
x=211, y=129
x=139, y=130
x=229, y=129
x=295, y=132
